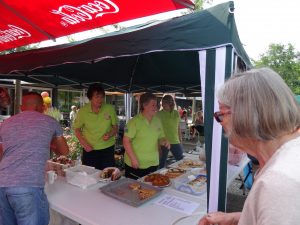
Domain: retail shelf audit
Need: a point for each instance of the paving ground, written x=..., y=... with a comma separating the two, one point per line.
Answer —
x=235, y=197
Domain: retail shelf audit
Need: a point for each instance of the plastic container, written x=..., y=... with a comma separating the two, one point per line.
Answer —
x=82, y=176
x=235, y=158
x=58, y=167
x=191, y=184
x=235, y=155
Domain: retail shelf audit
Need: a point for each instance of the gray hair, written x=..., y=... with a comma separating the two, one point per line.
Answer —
x=262, y=105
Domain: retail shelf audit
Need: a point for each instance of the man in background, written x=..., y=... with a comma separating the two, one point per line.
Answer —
x=73, y=114
x=24, y=149
x=4, y=98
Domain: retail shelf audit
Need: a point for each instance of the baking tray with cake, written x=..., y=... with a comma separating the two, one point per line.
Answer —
x=131, y=192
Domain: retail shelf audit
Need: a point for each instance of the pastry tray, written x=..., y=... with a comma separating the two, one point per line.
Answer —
x=187, y=168
x=120, y=190
x=183, y=184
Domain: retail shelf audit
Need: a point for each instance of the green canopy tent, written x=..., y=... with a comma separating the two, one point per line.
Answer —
x=191, y=53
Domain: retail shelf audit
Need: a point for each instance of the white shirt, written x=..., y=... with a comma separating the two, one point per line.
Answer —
x=275, y=195
x=72, y=115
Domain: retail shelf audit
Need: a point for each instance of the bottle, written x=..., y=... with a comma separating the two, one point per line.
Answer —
x=78, y=160
x=198, y=146
x=202, y=155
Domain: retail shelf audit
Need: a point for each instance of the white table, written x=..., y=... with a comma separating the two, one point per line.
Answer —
x=233, y=171
x=91, y=207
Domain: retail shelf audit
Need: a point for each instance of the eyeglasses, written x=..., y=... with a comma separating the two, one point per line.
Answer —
x=219, y=116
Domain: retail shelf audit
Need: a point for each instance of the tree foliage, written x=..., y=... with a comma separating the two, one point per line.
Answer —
x=285, y=60
x=200, y=3
x=20, y=49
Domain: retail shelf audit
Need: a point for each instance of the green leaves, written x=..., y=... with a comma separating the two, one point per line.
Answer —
x=285, y=60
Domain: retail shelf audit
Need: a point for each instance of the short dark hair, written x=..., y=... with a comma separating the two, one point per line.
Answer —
x=168, y=99
x=32, y=93
x=145, y=98
x=95, y=88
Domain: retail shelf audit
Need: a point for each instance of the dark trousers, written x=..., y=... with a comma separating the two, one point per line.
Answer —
x=138, y=173
x=99, y=159
x=176, y=150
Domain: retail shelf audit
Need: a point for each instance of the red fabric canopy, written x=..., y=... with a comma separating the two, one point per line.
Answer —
x=24, y=22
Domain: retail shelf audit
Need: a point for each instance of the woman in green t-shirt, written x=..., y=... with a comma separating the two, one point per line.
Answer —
x=95, y=127
x=143, y=134
x=170, y=120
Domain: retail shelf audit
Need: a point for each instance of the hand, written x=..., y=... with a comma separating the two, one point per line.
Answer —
x=134, y=163
x=165, y=143
x=106, y=137
x=53, y=145
x=116, y=174
x=87, y=147
x=220, y=218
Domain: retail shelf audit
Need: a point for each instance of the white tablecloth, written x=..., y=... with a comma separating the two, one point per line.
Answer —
x=91, y=207
x=234, y=170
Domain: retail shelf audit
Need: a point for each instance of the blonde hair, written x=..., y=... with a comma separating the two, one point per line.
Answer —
x=262, y=105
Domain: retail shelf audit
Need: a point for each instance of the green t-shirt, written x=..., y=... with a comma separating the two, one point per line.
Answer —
x=144, y=138
x=94, y=126
x=170, y=122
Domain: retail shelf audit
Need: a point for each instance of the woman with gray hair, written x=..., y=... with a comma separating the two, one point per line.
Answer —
x=261, y=117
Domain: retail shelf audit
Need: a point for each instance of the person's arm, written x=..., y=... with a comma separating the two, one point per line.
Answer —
x=59, y=146
x=111, y=133
x=1, y=152
x=179, y=134
x=87, y=147
x=220, y=218
x=164, y=142
x=128, y=148
x=114, y=130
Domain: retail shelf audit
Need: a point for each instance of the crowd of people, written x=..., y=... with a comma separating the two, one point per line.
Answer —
x=257, y=111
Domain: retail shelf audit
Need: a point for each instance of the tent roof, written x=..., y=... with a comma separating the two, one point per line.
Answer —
x=26, y=22
x=160, y=56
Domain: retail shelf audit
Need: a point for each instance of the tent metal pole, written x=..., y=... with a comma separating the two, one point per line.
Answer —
x=55, y=97
x=17, y=100
x=128, y=102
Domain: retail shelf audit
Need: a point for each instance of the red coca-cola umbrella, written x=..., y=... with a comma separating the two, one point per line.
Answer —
x=31, y=21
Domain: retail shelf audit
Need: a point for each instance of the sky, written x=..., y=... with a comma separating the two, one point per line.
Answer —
x=262, y=22
x=259, y=23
